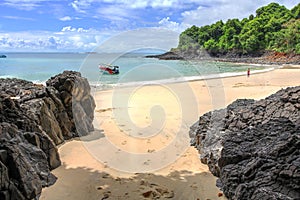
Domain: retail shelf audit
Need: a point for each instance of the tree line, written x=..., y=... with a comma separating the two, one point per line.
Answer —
x=273, y=28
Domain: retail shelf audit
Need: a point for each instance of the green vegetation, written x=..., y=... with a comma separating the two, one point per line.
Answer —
x=274, y=28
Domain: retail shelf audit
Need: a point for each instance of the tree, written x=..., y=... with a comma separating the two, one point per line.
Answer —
x=296, y=11
x=216, y=30
x=251, y=36
x=188, y=37
x=211, y=46
x=289, y=39
x=229, y=40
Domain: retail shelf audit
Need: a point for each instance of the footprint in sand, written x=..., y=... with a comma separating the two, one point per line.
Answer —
x=118, y=179
x=147, y=162
x=194, y=186
x=124, y=142
x=106, y=195
x=151, y=150
x=155, y=191
x=105, y=175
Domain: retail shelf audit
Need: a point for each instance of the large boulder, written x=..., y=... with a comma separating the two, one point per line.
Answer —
x=79, y=105
x=253, y=146
x=33, y=120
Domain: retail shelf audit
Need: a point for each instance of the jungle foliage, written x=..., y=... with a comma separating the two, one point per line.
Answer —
x=273, y=28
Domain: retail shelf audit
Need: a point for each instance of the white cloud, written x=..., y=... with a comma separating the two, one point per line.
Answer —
x=114, y=13
x=145, y=38
x=81, y=5
x=78, y=40
x=222, y=11
x=68, y=39
x=24, y=43
x=18, y=18
x=23, y=4
x=163, y=3
x=68, y=28
x=82, y=30
x=66, y=18
x=147, y=3
x=211, y=11
x=172, y=25
x=78, y=30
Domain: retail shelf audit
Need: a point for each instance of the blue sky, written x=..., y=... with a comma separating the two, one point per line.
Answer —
x=82, y=25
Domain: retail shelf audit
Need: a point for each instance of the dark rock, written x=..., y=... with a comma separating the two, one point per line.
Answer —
x=258, y=57
x=21, y=163
x=253, y=146
x=33, y=120
x=167, y=56
x=74, y=91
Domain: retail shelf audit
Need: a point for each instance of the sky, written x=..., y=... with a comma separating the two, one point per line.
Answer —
x=83, y=25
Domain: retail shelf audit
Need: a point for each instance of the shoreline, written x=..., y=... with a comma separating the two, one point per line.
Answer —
x=82, y=175
x=191, y=78
x=179, y=79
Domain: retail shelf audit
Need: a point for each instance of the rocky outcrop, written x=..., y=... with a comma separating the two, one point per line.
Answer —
x=167, y=56
x=268, y=57
x=260, y=57
x=253, y=146
x=78, y=103
x=33, y=120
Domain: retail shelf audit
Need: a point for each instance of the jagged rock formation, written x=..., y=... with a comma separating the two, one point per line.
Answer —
x=33, y=120
x=253, y=146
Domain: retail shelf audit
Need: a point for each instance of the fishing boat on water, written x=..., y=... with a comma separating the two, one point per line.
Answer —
x=109, y=69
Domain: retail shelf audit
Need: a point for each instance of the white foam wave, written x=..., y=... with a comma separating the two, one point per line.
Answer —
x=39, y=82
x=7, y=76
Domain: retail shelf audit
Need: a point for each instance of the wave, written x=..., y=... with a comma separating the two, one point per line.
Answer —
x=33, y=81
x=7, y=76
x=39, y=82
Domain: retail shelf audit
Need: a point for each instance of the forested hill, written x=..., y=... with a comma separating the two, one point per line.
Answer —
x=273, y=28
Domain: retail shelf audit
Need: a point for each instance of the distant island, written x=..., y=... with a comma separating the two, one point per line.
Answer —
x=3, y=56
x=271, y=36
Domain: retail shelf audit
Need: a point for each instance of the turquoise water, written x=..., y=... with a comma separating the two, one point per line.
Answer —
x=134, y=67
x=38, y=67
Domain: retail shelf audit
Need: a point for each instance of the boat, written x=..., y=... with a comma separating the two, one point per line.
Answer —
x=3, y=56
x=109, y=69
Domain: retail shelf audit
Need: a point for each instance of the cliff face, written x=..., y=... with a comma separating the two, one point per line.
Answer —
x=253, y=146
x=33, y=120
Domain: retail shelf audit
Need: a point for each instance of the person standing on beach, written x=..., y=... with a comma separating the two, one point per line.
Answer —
x=248, y=72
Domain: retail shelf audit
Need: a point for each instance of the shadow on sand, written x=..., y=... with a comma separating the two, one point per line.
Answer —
x=84, y=183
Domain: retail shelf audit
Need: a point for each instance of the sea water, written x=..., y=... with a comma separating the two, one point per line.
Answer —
x=134, y=68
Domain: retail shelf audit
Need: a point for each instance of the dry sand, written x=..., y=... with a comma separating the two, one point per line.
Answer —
x=140, y=149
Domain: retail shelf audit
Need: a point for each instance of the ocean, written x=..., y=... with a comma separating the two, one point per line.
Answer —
x=134, y=68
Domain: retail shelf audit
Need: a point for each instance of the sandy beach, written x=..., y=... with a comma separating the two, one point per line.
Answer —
x=140, y=148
